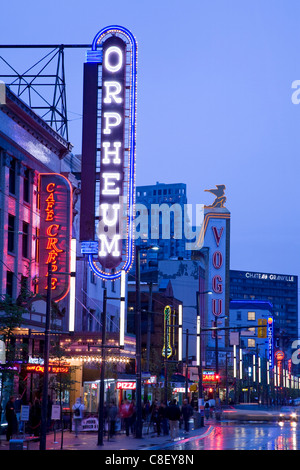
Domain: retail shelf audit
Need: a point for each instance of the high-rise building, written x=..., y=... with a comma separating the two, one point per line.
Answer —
x=280, y=290
x=161, y=210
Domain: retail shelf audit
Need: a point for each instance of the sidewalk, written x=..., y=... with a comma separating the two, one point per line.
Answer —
x=121, y=442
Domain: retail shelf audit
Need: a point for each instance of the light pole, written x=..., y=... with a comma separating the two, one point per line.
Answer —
x=139, y=424
x=46, y=363
x=199, y=355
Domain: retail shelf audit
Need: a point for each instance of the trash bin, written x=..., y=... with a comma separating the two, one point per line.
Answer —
x=16, y=444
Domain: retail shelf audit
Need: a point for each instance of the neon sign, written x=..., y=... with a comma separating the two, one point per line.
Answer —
x=108, y=152
x=209, y=376
x=54, y=241
x=53, y=369
x=270, y=342
x=126, y=385
x=167, y=335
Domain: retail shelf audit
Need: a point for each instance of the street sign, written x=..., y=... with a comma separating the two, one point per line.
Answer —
x=55, y=412
x=24, y=416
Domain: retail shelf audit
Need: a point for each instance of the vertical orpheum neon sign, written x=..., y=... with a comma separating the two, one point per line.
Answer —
x=55, y=195
x=108, y=152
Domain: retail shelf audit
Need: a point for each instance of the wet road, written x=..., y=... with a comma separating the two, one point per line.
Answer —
x=249, y=436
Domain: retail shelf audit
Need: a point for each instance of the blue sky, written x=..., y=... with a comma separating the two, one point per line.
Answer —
x=214, y=103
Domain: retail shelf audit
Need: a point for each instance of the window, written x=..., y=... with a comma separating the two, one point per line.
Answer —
x=251, y=316
x=238, y=315
x=11, y=233
x=113, y=285
x=93, y=278
x=25, y=240
x=12, y=177
x=251, y=343
x=26, y=190
x=9, y=283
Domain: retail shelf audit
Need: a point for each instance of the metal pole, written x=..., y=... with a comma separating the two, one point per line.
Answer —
x=186, y=363
x=46, y=363
x=217, y=359
x=139, y=430
x=102, y=391
x=149, y=314
x=166, y=358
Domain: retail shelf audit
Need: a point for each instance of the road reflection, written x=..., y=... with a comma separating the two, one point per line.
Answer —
x=250, y=436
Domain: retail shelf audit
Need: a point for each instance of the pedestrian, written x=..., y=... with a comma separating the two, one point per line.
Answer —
x=112, y=414
x=173, y=414
x=186, y=413
x=126, y=412
x=133, y=416
x=78, y=409
x=206, y=410
x=35, y=415
x=11, y=418
x=164, y=419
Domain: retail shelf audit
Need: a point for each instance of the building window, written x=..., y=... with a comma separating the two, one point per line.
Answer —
x=251, y=316
x=93, y=278
x=238, y=315
x=11, y=233
x=251, y=343
x=25, y=240
x=12, y=177
x=9, y=283
x=26, y=186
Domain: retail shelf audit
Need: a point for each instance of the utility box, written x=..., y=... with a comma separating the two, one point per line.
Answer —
x=16, y=444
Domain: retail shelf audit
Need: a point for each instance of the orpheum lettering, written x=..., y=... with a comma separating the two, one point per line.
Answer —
x=55, y=234
x=112, y=151
x=108, y=153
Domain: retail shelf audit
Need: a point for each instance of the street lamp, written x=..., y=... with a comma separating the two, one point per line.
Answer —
x=139, y=426
x=198, y=347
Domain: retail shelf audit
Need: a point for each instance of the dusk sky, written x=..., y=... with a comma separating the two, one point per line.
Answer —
x=214, y=103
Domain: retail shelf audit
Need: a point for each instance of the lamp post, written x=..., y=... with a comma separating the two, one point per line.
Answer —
x=199, y=355
x=46, y=363
x=139, y=424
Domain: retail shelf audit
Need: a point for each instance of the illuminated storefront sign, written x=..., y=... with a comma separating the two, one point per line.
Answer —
x=53, y=369
x=126, y=385
x=108, y=152
x=54, y=240
x=209, y=376
x=270, y=342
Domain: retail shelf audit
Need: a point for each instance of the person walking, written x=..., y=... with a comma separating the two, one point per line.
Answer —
x=173, y=414
x=35, y=416
x=112, y=414
x=186, y=413
x=126, y=413
x=11, y=418
x=78, y=409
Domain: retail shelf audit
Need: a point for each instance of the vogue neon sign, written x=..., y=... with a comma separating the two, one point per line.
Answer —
x=55, y=194
x=108, y=152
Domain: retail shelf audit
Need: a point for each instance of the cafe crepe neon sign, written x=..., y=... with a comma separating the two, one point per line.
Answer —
x=114, y=171
x=55, y=234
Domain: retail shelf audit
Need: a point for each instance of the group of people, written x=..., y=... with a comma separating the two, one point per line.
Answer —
x=168, y=418
x=12, y=416
x=165, y=419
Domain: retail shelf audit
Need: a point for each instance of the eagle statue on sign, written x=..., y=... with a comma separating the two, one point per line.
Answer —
x=219, y=193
